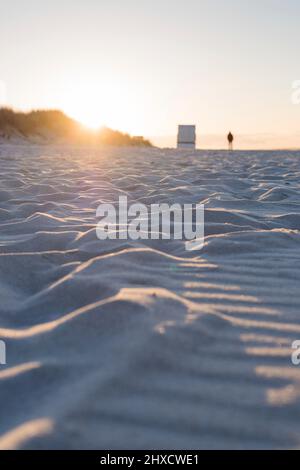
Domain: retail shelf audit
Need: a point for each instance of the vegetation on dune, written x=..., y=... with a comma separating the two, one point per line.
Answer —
x=53, y=126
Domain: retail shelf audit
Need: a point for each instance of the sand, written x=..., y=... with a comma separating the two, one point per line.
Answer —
x=141, y=344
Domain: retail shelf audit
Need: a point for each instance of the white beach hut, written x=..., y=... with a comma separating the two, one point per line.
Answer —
x=186, y=137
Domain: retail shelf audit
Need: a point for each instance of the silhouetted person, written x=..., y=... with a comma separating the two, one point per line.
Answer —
x=230, y=139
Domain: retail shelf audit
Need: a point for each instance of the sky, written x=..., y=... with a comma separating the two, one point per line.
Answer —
x=144, y=66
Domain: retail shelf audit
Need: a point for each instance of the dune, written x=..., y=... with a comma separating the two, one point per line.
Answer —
x=123, y=344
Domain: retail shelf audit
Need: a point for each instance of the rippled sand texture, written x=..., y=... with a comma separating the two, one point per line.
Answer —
x=121, y=344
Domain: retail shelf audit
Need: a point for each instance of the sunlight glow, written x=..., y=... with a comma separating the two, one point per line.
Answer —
x=100, y=104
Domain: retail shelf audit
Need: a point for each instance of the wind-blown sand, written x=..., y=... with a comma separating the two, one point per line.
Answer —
x=122, y=344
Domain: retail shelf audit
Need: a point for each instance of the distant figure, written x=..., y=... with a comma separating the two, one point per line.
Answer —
x=230, y=141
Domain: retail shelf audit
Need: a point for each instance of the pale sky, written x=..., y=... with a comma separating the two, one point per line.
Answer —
x=144, y=66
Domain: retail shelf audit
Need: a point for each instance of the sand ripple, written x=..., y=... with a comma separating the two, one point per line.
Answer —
x=122, y=344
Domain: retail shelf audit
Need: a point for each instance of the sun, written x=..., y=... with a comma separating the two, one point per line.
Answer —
x=85, y=105
x=97, y=105
x=87, y=117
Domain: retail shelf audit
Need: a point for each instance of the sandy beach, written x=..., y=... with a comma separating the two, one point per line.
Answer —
x=124, y=344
